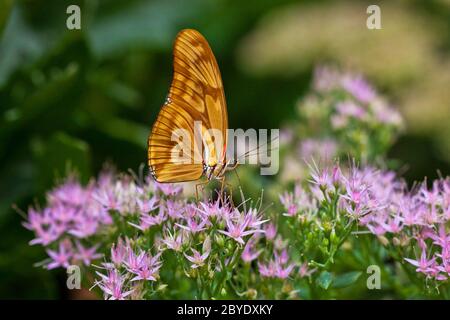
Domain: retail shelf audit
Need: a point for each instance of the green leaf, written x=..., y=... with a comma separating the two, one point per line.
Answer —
x=20, y=45
x=124, y=130
x=324, y=280
x=139, y=24
x=58, y=156
x=5, y=10
x=346, y=279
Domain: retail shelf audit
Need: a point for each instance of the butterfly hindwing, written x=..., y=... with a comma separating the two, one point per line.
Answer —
x=196, y=95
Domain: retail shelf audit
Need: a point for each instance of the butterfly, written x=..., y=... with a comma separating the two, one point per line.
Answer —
x=195, y=107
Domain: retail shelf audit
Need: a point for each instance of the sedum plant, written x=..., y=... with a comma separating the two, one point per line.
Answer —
x=314, y=236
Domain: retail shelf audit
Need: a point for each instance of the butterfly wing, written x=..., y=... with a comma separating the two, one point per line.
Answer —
x=196, y=95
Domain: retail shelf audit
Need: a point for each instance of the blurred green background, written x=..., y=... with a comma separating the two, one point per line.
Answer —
x=75, y=99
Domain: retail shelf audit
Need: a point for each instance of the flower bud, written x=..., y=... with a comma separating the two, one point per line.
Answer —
x=336, y=176
x=287, y=288
x=219, y=239
x=384, y=241
x=327, y=226
x=192, y=273
x=333, y=237
x=161, y=287
x=207, y=244
x=396, y=241
x=251, y=294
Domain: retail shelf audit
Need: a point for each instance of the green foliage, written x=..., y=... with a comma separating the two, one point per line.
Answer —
x=324, y=280
x=69, y=100
x=346, y=279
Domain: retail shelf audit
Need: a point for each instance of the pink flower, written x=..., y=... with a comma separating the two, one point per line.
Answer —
x=144, y=266
x=284, y=272
x=249, y=254
x=214, y=209
x=441, y=239
x=358, y=87
x=266, y=270
x=281, y=258
x=304, y=271
x=289, y=203
x=423, y=264
x=108, y=199
x=445, y=267
x=119, y=252
x=321, y=178
x=175, y=240
x=351, y=109
x=45, y=236
x=279, y=267
x=70, y=193
x=336, y=175
x=86, y=254
x=270, y=231
x=197, y=259
x=168, y=189
x=147, y=220
x=147, y=205
x=394, y=225
x=35, y=220
x=84, y=226
x=326, y=78
x=60, y=258
x=238, y=229
x=323, y=149
x=112, y=285
x=194, y=226
x=175, y=209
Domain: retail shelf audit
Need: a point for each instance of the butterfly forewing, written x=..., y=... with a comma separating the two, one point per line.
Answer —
x=196, y=96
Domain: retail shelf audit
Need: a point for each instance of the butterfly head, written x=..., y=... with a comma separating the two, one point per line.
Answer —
x=217, y=170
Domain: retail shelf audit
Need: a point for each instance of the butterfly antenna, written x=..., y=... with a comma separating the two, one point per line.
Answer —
x=260, y=145
x=250, y=152
x=261, y=199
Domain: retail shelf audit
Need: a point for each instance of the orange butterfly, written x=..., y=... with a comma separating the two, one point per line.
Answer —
x=196, y=100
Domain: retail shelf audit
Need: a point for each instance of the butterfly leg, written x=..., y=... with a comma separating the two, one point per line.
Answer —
x=230, y=188
x=223, y=187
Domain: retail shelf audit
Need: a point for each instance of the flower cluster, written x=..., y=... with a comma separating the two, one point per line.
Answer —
x=142, y=239
x=206, y=236
x=416, y=222
x=129, y=272
x=278, y=266
x=342, y=116
x=323, y=211
x=412, y=221
x=71, y=218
